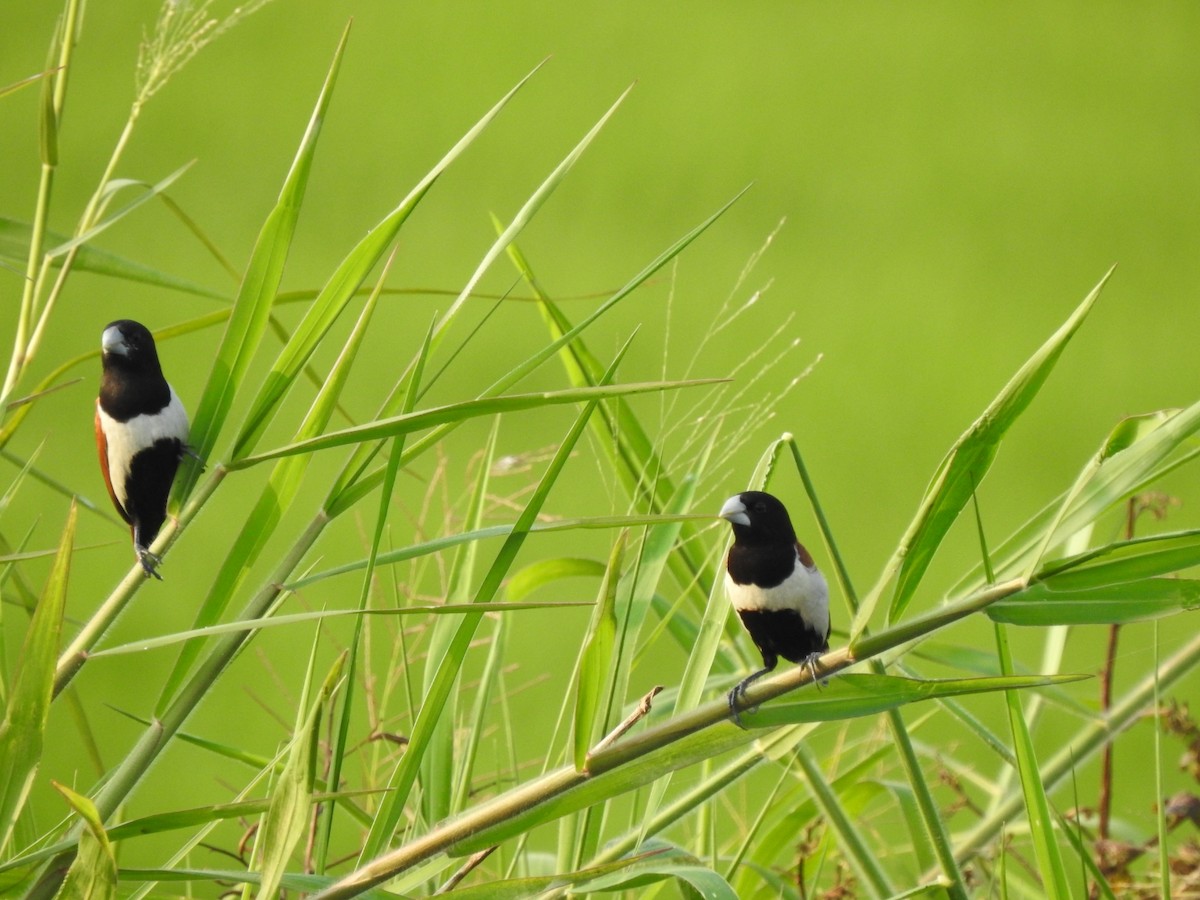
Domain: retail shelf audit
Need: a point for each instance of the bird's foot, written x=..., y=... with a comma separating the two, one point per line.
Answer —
x=188, y=450
x=810, y=663
x=150, y=562
x=738, y=693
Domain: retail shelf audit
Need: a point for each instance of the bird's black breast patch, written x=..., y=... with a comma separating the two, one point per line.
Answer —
x=782, y=632
x=764, y=566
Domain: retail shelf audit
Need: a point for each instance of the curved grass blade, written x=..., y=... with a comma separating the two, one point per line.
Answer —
x=961, y=472
x=467, y=409
x=1046, y=604
x=596, y=659
x=1131, y=560
x=547, y=571
x=93, y=874
x=14, y=242
x=343, y=285
x=23, y=729
x=1045, y=845
x=252, y=307
x=403, y=777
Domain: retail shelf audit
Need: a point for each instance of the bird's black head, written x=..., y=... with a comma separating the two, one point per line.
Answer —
x=128, y=347
x=758, y=518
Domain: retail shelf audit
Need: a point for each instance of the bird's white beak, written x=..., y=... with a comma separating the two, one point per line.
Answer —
x=735, y=511
x=112, y=341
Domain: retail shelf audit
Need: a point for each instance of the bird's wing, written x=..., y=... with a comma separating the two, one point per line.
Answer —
x=102, y=449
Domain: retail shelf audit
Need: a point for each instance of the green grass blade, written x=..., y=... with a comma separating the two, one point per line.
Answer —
x=93, y=874
x=1111, y=604
x=458, y=412
x=1158, y=449
x=343, y=285
x=1132, y=560
x=287, y=815
x=23, y=729
x=252, y=307
x=596, y=659
x=14, y=244
x=1041, y=824
x=273, y=502
x=402, y=779
x=961, y=472
x=547, y=571
x=110, y=190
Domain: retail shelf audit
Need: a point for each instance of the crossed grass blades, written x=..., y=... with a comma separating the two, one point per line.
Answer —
x=403, y=768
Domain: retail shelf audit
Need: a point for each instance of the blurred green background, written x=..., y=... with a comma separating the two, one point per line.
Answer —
x=952, y=179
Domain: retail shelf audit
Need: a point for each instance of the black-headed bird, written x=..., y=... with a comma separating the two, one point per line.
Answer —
x=776, y=588
x=141, y=433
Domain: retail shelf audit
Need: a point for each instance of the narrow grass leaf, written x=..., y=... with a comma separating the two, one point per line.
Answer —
x=14, y=245
x=467, y=409
x=286, y=819
x=273, y=502
x=93, y=874
x=522, y=888
x=1132, y=560
x=963, y=469
x=855, y=695
x=703, y=881
x=545, y=572
x=343, y=285
x=110, y=189
x=23, y=729
x=402, y=778
x=1049, y=603
x=252, y=306
x=1041, y=825
x=1160, y=447
x=596, y=659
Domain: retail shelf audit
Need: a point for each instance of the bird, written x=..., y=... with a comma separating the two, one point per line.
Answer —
x=775, y=587
x=141, y=433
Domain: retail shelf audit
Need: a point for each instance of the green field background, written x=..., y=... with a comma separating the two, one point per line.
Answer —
x=943, y=182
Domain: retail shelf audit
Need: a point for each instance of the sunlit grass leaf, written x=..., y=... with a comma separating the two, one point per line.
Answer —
x=1132, y=560
x=1049, y=603
x=110, y=190
x=1156, y=447
x=467, y=409
x=547, y=571
x=596, y=659
x=402, y=778
x=1037, y=807
x=854, y=695
x=93, y=874
x=14, y=244
x=961, y=472
x=274, y=500
x=695, y=879
x=22, y=731
x=343, y=285
x=286, y=819
x=252, y=307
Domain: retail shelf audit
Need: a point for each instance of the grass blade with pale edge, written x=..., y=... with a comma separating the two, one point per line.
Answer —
x=1152, y=454
x=1111, y=604
x=14, y=243
x=547, y=571
x=402, y=778
x=961, y=472
x=1041, y=825
x=458, y=412
x=24, y=725
x=596, y=659
x=850, y=838
x=273, y=502
x=151, y=191
x=343, y=285
x=252, y=307
x=342, y=735
x=1132, y=560
x=93, y=874
x=291, y=796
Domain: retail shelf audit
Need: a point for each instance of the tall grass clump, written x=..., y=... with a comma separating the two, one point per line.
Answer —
x=405, y=762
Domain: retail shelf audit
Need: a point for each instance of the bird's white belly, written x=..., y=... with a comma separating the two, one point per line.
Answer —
x=804, y=591
x=125, y=439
